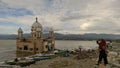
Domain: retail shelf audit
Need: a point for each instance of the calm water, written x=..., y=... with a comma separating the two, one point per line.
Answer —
x=8, y=47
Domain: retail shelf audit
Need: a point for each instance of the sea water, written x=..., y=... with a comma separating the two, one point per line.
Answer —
x=8, y=47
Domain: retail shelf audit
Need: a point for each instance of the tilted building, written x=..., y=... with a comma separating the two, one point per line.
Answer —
x=36, y=43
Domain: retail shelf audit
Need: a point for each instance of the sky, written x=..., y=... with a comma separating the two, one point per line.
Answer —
x=64, y=16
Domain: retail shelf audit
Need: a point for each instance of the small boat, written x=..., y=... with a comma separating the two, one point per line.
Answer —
x=43, y=55
x=21, y=63
x=11, y=62
x=47, y=55
x=40, y=58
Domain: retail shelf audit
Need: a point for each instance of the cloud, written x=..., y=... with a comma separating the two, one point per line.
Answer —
x=71, y=16
x=14, y=12
x=6, y=10
x=75, y=16
x=84, y=26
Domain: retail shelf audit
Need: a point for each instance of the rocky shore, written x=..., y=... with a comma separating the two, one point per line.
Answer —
x=114, y=56
x=85, y=59
x=75, y=62
x=64, y=62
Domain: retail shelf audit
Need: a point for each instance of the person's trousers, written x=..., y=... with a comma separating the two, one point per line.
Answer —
x=104, y=57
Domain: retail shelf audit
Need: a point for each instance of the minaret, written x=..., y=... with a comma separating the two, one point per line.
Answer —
x=20, y=33
x=51, y=32
x=33, y=31
x=51, y=35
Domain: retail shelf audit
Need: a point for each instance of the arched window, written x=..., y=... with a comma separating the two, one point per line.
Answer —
x=37, y=49
x=25, y=47
x=20, y=48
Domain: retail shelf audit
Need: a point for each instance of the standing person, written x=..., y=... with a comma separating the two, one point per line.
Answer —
x=111, y=44
x=102, y=51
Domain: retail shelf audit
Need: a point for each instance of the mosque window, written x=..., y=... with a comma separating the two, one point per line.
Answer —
x=31, y=29
x=31, y=49
x=20, y=48
x=23, y=40
x=47, y=46
x=25, y=47
x=36, y=48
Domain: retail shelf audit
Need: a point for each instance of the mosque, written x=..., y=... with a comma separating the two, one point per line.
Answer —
x=36, y=43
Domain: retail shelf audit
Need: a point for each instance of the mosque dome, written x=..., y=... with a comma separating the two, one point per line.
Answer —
x=38, y=29
x=36, y=25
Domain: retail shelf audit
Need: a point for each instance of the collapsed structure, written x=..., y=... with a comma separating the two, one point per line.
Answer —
x=36, y=43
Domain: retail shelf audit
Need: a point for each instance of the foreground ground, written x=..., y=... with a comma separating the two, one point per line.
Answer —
x=73, y=62
x=65, y=62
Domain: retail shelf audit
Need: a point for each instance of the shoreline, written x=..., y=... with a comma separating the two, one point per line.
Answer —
x=74, y=62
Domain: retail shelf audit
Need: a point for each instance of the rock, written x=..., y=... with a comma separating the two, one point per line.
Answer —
x=112, y=54
x=108, y=66
x=119, y=56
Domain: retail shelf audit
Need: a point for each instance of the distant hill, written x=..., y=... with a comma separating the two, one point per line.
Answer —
x=89, y=36
x=8, y=36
